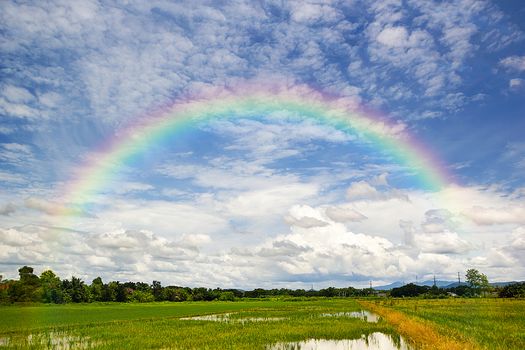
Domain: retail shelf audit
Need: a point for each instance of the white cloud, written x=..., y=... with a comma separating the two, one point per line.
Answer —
x=127, y=187
x=311, y=12
x=493, y=216
x=516, y=83
x=393, y=36
x=16, y=154
x=271, y=201
x=53, y=208
x=16, y=94
x=442, y=243
x=344, y=214
x=7, y=209
x=314, y=248
x=518, y=238
x=516, y=63
x=362, y=190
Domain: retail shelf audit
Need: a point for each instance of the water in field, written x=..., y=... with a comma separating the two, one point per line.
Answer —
x=227, y=318
x=374, y=341
x=363, y=315
x=52, y=340
x=215, y=317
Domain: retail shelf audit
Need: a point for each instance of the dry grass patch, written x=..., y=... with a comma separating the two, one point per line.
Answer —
x=421, y=333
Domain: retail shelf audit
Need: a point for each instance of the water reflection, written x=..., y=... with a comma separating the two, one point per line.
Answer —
x=51, y=340
x=363, y=315
x=374, y=341
x=227, y=318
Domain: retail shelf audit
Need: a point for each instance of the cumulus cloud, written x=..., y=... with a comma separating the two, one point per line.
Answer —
x=304, y=216
x=305, y=221
x=344, y=214
x=442, y=243
x=315, y=246
x=494, y=216
x=437, y=220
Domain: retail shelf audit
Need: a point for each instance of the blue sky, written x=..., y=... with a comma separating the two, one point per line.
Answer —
x=276, y=200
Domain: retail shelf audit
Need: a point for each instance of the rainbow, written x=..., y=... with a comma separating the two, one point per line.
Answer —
x=245, y=100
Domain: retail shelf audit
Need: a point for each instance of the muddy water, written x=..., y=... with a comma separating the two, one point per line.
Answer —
x=363, y=315
x=374, y=341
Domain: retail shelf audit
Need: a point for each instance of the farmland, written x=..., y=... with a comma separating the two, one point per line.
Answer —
x=478, y=322
x=464, y=323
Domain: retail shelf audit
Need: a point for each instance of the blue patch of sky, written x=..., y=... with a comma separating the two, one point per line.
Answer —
x=315, y=157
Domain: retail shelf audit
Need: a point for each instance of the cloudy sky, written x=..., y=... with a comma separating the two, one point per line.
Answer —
x=263, y=200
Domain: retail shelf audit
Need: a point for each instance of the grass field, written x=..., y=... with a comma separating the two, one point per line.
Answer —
x=481, y=323
x=466, y=323
x=158, y=325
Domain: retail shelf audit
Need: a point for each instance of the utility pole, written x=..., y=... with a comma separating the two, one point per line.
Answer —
x=434, y=280
x=416, y=279
x=370, y=284
x=459, y=279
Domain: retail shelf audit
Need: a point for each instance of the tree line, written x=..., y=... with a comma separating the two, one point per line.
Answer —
x=477, y=284
x=49, y=288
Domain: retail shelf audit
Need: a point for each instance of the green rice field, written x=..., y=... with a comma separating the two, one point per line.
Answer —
x=251, y=325
x=487, y=323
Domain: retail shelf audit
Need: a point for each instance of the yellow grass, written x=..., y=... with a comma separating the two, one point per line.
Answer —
x=421, y=333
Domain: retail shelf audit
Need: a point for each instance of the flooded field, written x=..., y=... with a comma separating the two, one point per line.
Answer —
x=374, y=341
x=227, y=317
x=361, y=314
x=192, y=325
x=268, y=324
x=51, y=340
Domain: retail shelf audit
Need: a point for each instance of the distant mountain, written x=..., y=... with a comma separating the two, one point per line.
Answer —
x=503, y=284
x=440, y=284
x=456, y=284
x=429, y=283
x=390, y=286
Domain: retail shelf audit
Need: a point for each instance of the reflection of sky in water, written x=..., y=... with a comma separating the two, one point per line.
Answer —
x=226, y=318
x=52, y=340
x=363, y=315
x=375, y=341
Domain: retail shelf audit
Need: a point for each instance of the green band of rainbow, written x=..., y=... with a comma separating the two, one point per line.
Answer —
x=245, y=101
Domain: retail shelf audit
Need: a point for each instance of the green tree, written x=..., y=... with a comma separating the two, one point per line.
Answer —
x=97, y=289
x=27, y=288
x=4, y=290
x=514, y=290
x=226, y=296
x=477, y=280
x=139, y=296
x=75, y=290
x=51, y=288
x=156, y=289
